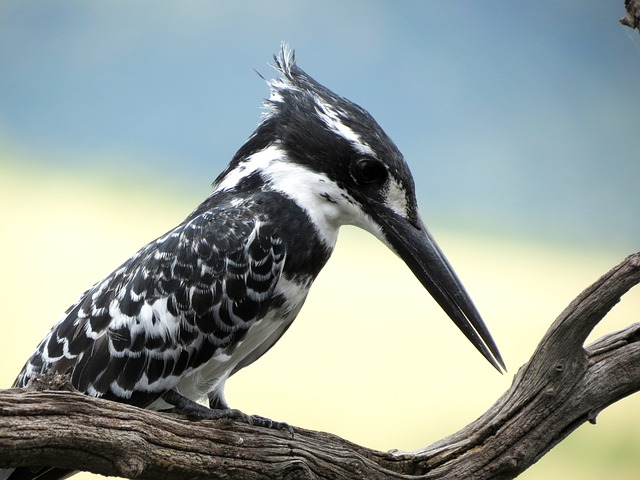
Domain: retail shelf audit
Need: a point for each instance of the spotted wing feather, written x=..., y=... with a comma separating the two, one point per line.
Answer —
x=181, y=300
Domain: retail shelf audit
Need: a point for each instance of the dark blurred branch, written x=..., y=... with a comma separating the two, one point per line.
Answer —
x=632, y=18
x=561, y=387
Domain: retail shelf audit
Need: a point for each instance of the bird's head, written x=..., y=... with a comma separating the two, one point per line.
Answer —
x=332, y=158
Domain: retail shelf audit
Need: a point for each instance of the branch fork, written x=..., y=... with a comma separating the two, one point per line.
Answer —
x=564, y=385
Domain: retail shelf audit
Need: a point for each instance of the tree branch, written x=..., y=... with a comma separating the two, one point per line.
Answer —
x=562, y=386
x=632, y=18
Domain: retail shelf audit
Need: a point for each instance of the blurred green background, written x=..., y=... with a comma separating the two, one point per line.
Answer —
x=518, y=120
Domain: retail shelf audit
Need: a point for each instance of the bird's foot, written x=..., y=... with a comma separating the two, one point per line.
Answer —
x=192, y=409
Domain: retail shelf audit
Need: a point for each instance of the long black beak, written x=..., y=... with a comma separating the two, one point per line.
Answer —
x=415, y=245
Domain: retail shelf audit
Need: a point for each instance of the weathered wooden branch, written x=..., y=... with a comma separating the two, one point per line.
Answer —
x=632, y=18
x=561, y=387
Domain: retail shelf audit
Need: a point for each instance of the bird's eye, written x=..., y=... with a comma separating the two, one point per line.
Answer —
x=368, y=171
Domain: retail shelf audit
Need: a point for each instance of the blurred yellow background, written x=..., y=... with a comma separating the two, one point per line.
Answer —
x=518, y=119
x=371, y=357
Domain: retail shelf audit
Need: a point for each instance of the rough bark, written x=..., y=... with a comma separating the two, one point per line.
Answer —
x=562, y=386
x=632, y=18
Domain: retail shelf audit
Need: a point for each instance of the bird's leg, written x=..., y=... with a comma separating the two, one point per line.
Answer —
x=216, y=401
x=219, y=410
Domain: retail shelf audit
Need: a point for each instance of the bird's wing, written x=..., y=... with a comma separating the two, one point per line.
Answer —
x=179, y=301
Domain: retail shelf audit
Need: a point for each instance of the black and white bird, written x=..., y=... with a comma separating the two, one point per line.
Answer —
x=170, y=325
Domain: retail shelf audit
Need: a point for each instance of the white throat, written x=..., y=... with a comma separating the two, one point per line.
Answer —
x=327, y=205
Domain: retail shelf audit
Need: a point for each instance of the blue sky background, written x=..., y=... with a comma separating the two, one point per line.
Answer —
x=516, y=118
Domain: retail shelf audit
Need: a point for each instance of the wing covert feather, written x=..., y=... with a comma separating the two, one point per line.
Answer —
x=173, y=306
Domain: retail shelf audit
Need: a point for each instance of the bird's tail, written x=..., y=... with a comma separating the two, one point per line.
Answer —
x=42, y=473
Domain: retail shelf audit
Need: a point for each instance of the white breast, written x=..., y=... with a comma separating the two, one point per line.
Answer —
x=211, y=376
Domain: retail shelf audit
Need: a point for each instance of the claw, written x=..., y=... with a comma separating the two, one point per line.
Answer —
x=183, y=405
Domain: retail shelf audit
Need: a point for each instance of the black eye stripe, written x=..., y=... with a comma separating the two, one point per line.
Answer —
x=368, y=171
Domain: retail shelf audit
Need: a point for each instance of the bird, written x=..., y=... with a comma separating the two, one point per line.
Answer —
x=169, y=326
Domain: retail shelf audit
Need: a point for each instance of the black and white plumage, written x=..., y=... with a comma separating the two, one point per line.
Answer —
x=212, y=295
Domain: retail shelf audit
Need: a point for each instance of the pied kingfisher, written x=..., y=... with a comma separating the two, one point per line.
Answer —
x=196, y=305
